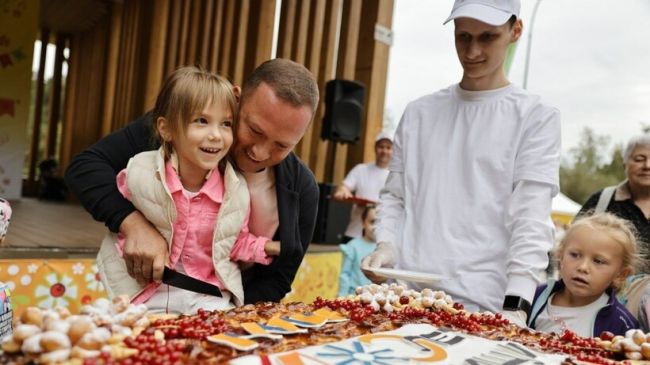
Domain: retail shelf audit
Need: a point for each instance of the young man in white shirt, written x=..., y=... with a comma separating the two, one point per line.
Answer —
x=474, y=169
x=365, y=181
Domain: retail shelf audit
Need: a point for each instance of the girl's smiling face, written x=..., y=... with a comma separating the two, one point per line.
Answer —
x=202, y=144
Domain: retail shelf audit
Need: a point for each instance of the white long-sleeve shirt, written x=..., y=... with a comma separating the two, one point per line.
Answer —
x=469, y=192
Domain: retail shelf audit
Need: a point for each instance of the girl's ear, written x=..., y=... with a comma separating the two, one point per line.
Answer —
x=163, y=128
x=622, y=275
x=517, y=29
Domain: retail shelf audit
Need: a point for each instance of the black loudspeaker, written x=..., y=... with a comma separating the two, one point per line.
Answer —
x=332, y=218
x=343, y=111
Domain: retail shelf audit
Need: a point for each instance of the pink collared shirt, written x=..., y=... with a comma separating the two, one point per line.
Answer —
x=196, y=215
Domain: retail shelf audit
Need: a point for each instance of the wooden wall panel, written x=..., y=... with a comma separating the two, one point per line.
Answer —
x=299, y=54
x=206, y=27
x=38, y=111
x=216, y=31
x=227, y=36
x=112, y=63
x=194, y=32
x=314, y=41
x=117, y=68
x=55, y=97
x=347, y=58
x=239, y=42
x=94, y=95
x=84, y=90
x=70, y=103
x=326, y=71
x=299, y=48
x=372, y=69
x=259, y=40
x=183, y=42
x=156, y=57
x=287, y=20
x=118, y=113
x=173, y=32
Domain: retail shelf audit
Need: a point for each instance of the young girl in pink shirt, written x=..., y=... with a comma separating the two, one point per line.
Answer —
x=193, y=196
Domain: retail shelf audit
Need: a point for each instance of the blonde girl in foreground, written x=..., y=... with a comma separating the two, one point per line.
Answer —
x=595, y=257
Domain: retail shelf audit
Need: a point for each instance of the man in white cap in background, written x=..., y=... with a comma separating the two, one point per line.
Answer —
x=365, y=181
x=474, y=169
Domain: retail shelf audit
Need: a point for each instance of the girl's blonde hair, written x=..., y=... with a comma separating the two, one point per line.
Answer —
x=619, y=230
x=185, y=93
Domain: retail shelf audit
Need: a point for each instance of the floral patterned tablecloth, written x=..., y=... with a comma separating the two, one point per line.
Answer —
x=71, y=283
x=49, y=283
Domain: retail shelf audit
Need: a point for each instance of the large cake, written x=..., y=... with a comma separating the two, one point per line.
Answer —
x=380, y=325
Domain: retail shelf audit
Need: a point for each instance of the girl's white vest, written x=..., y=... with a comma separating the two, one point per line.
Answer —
x=146, y=182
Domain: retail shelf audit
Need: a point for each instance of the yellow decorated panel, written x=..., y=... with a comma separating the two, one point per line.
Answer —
x=318, y=275
x=74, y=282
x=49, y=283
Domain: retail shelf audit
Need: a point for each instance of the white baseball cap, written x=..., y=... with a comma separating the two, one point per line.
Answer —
x=383, y=135
x=493, y=12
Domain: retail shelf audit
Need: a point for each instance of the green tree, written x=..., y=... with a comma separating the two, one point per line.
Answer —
x=616, y=167
x=586, y=170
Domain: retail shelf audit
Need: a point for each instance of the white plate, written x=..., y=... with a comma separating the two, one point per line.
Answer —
x=420, y=277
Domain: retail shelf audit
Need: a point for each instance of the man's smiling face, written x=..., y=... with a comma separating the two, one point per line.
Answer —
x=268, y=129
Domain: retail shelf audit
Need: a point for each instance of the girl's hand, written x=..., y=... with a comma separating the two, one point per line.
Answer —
x=272, y=248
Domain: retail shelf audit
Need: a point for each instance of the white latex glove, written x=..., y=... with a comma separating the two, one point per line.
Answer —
x=516, y=317
x=382, y=256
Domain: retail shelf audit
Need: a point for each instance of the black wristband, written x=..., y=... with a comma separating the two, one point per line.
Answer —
x=516, y=303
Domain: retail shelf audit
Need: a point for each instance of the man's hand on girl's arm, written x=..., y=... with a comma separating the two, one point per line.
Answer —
x=272, y=248
x=145, y=249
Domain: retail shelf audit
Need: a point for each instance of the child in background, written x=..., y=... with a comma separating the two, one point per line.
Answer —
x=355, y=250
x=595, y=256
x=5, y=218
x=192, y=195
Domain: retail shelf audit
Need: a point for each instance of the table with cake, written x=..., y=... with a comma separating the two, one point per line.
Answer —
x=381, y=324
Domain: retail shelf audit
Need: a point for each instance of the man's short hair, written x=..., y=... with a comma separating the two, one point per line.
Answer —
x=291, y=81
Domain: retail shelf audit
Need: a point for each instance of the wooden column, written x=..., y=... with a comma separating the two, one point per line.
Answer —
x=228, y=33
x=313, y=47
x=259, y=41
x=55, y=96
x=171, y=59
x=94, y=59
x=110, y=84
x=194, y=32
x=346, y=68
x=299, y=54
x=34, y=155
x=326, y=72
x=71, y=90
x=299, y=49
x=287, y=21
x=372, y=69
x=216, y=31
x=239, y=42
x=207, y=19
x=156, y=62
x=183, y=42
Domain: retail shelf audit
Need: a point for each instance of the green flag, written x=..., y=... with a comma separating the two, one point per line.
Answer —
x=510, y=55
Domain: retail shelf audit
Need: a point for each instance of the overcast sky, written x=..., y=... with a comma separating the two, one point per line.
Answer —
x=589, y=58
